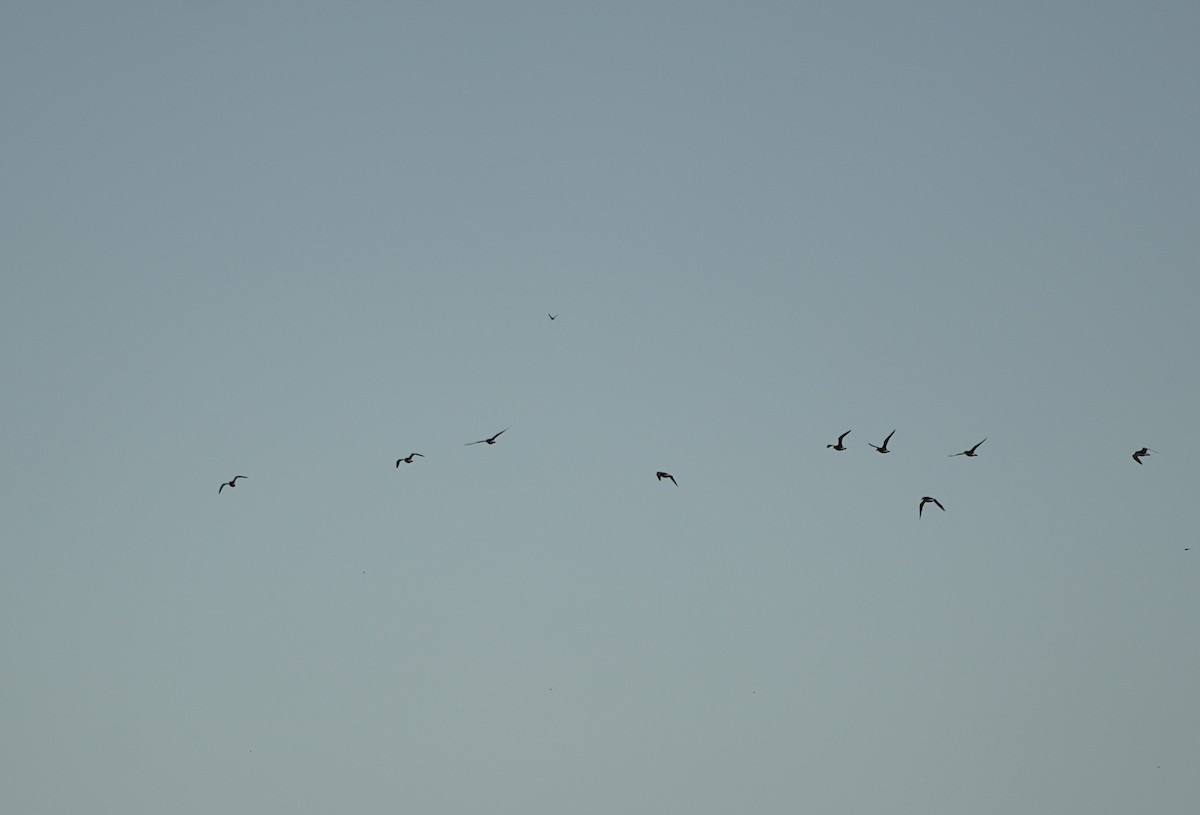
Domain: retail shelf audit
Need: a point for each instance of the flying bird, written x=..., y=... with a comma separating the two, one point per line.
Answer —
x=231, y=483
x=885, y=443
x=408, y=460
x=492, y=440
x=661, y=475
x=552, y=316
x=928, y=500
x=839, y=445
x=1145, y=451
x=970, y=452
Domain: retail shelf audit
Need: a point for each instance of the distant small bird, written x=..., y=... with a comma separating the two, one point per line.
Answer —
x=408, y=460
x=231, y=483
x=552, y=316
x=928, y=500
x=885, y=443
x=492, y=440
x=1145, y=451
x=970, y=452
x=839, y=445
x=661, y=475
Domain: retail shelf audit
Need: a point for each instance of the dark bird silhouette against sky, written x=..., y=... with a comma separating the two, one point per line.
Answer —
x=839, y=445
x=971, y=453
x=492, y=440
x=1145, y=451
x=928, y=500
x=408, y=460
x=884, y=449
x=552, y=316
x=231, y=483
x=661, y=475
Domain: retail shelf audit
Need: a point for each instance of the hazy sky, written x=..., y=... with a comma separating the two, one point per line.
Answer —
x=295, y=241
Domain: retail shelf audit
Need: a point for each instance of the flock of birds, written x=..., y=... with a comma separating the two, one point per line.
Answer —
x=883, y=448
x=660, y=475
x=970, y=452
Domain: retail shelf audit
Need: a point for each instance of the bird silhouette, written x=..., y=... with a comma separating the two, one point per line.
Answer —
x=408, y=460
x=971, y=453
x=661, y=475
x=839, y=445
x=231, y=483
x=552, y=316
x=884, y=449
x=1145, y=451
x=928, y=500
x=492, y=440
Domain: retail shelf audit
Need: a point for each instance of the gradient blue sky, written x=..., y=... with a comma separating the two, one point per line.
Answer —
x=297, y=240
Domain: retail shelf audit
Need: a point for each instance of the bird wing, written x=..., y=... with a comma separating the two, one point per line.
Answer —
x=220, y=488
x=398, y=461
x=844, y=435
x=468, y=444
x=921, y=508
x=673, y=481
x=498, y=434
x=939, y=505
x=889, y=438
x=422, y=455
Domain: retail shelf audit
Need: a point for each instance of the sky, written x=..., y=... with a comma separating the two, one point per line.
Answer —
x=297, y=241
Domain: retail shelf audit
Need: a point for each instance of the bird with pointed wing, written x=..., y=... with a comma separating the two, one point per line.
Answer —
x=969, y=453
x=884, y=448
x=231, y=483
x=928, y=500
x=840, y=446
x=492, y=440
